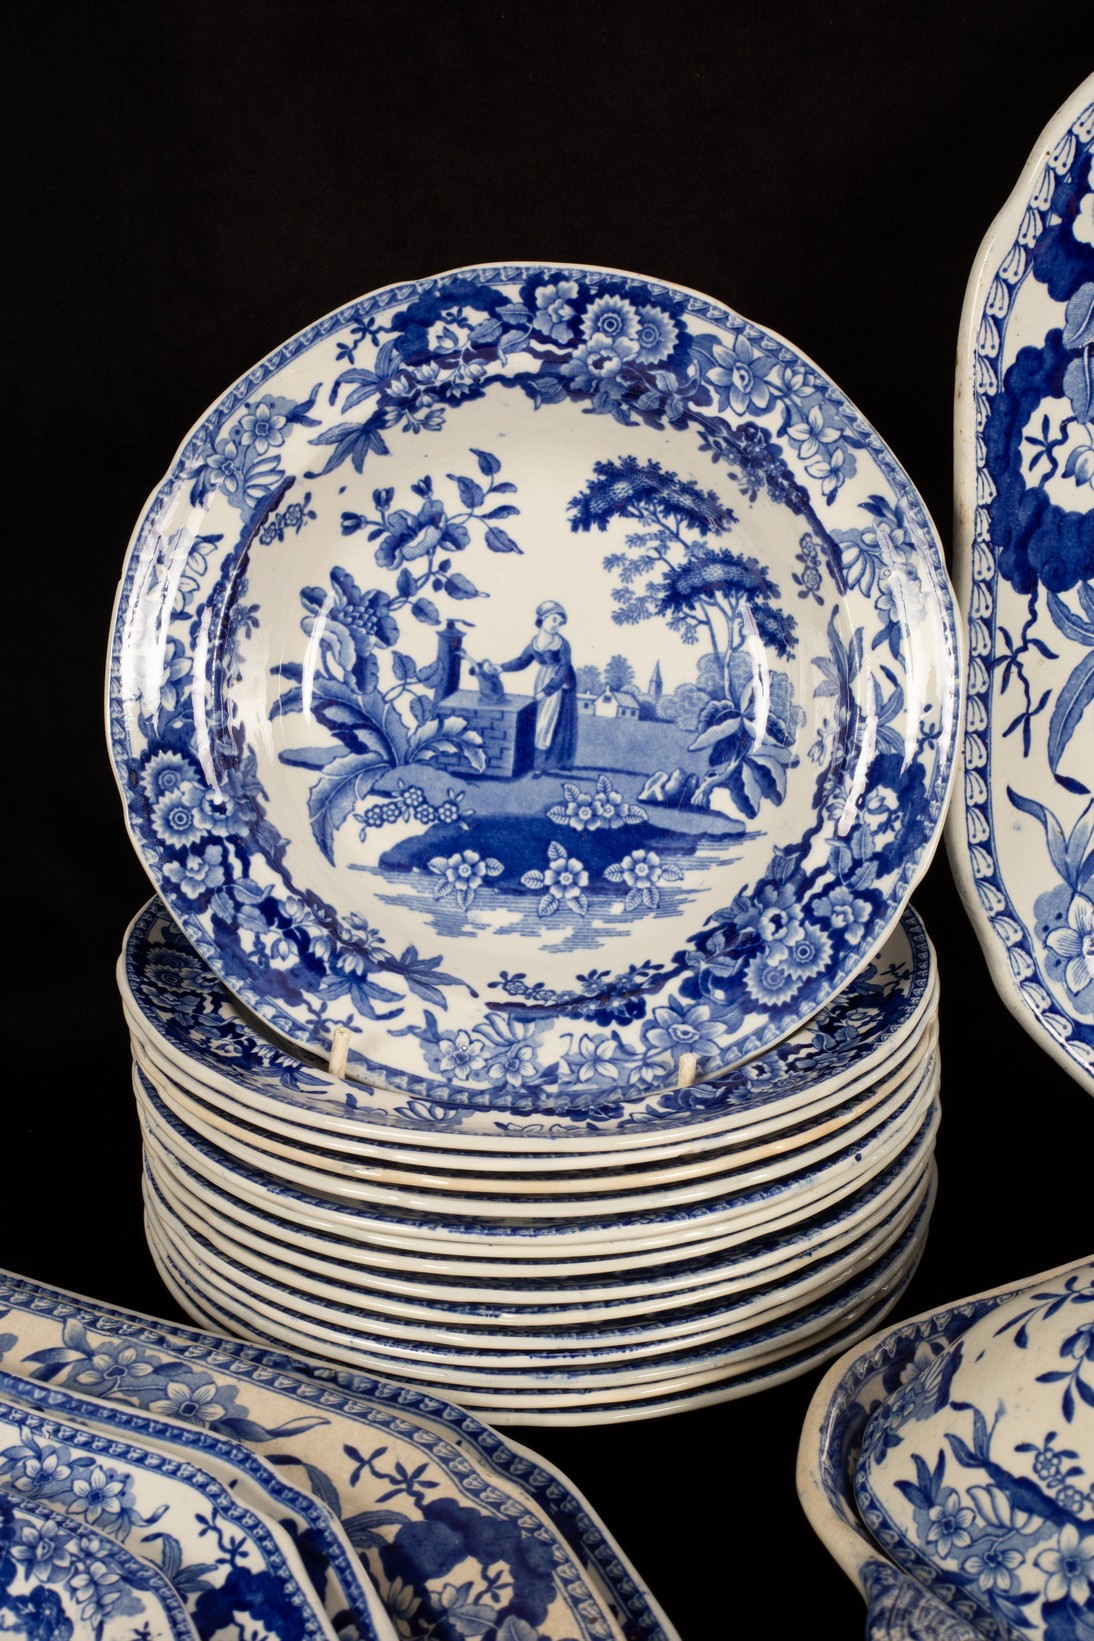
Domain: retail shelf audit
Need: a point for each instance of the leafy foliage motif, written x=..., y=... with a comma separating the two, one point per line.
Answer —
x=374, y=699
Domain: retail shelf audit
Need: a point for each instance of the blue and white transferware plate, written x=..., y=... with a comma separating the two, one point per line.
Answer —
x=705, y=1392
x=189, y=1017
x=1021, y=835
x=542, y=673
x=499, y=1325
x=915, y=1361
x=231, y=1566
x=586, y=1285
x=541, y=1201
x=270, y=1138
x=60, y=1582
x=502, y=1390
x=343, y=1588
x=841, y=1171
x=978, y=1476
x=459, y=1502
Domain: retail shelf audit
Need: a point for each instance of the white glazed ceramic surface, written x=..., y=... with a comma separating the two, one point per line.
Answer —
x=446, y=1333
x=613, y=1260
x=500, y=1318
x=842, y=1171
x=310, y=1168
x=978, y=1475
x=495, y=1391
x=192, y=1021
x=509, y=1176
x=350, y=1446
x=915, y=1360
x=512, y=896
x=580, y=1283
x=1021, y=830
x=706, y=1393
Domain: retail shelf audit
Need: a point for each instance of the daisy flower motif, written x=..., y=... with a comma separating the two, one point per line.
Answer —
x=656, y=336
x=642, y=871
x=610, y=317
x=563, y=883
x=462, y=875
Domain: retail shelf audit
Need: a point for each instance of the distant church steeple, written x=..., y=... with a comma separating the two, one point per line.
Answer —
x=656, y=683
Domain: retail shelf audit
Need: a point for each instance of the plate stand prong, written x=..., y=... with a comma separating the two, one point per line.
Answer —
x=687, y=1069
x=339, y=1051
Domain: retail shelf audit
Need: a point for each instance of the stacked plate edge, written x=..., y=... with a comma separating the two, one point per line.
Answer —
x=667, y=1254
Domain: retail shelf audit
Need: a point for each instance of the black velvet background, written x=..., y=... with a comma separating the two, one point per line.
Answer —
x=187, y=185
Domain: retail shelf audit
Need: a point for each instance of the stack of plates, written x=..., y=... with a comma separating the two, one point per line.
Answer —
x=154, y=1481
x=680, y=1253
x=592, y=1068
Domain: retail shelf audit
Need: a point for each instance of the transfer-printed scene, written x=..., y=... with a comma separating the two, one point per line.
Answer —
x=1036, y=540
x=540, y=690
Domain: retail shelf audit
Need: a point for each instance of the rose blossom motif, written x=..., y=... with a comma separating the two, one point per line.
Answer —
x=642, y=870
x=553, y=310
x=198, y=873
x=842, y=910
x=563, y=883
x=596, y=364
x=416, y=535
x=1076, y=943
x=741, y=376
x=462, y=875
x=348, y=622
x=261, y=427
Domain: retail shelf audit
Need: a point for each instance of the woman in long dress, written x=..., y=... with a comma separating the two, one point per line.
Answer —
x=555, y=688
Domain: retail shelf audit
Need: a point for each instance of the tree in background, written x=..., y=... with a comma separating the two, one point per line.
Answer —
x=674, y=569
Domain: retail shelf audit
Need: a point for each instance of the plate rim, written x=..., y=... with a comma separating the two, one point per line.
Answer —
x=951, y=662
x=965, y=578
